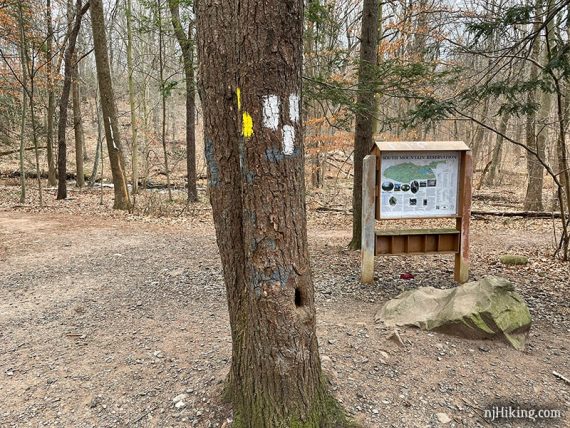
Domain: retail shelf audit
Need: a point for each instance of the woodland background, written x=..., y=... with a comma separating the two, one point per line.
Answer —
x=491, y=73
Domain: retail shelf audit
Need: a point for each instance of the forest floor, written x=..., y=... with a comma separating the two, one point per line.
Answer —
x=105, y=317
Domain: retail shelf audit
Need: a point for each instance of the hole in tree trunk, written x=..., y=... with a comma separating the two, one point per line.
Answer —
x=299, y=298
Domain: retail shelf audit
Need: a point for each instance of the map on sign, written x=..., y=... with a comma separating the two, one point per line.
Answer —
x=419, y=184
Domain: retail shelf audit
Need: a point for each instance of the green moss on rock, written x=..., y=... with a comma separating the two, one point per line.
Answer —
x=485, y=309
x=512, y=260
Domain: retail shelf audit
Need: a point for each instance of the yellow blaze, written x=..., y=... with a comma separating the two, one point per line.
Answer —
x=247, y=125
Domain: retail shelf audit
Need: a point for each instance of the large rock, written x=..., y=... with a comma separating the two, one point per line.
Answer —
x=485, y=309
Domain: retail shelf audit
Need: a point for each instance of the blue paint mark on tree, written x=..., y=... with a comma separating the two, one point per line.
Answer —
x=270, y=278
x=214, y=176
x=274, y=155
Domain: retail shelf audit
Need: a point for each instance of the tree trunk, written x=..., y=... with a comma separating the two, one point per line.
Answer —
x=187, y=48
x=108, y=107
x=312, y=110
x=366, y=110
x=24, y=83
x=64, y=100
x=376, y=127
x=163, y=97
x=95, y=169
x=130, y=71
x=490, y=179
x=31, y=94
x=478, y=136
x=77, y=124
x=52, y=180
x=256, y=185
x=99, y=148
x=533, y=198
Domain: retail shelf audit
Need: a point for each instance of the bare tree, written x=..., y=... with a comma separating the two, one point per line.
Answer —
x=108, y=107
x=186, y=42
x=51, y=97
x=134, y=125
x=366, y=110
x=77, y=124
x=80, y=10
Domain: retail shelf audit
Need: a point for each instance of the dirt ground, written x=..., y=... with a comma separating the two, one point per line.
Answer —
x=106, y=317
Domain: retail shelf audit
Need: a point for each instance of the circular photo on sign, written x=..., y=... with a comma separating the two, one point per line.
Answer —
x=405, y=187
x=392, y=201
x=414, y=186
x=387, y=186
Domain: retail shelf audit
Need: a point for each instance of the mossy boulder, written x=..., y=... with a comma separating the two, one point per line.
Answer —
x=485, y=309
x=512, y=260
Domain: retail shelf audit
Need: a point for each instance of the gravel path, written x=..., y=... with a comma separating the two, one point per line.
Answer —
x=106, y=322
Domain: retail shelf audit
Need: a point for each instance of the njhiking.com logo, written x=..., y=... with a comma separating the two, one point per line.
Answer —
x=501, y=412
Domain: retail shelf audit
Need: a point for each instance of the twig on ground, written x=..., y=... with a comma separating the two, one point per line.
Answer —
x=561, y=377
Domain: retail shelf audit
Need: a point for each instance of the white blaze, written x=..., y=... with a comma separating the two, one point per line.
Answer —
x=112, y=135
x=271, y=112
x=294, y=108
x=288, y=140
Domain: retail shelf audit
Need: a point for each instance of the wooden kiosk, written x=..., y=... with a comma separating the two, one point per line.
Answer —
x=416, y=180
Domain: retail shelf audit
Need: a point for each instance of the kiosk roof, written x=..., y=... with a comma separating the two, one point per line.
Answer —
x=413, y=146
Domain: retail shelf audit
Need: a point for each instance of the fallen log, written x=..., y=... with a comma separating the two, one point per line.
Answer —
x=336, y=210
x=12, y=152
x=528, y=214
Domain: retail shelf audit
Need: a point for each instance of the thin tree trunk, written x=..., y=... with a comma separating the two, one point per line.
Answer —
x=99, y=149
x=490, y=179
x=35, y=137
x=145, y=114
x=379, y=60
x=479, y=135
x=77, y=125
x=64, y=100
x=109, y=108
x=257, y=190
x=366, y=110
x=130, y=71
x=187, y=48
x=562, y=108
x=533, y=198
x=163, y=98
x=52, y=180
x=312, y=112
x=23, y=61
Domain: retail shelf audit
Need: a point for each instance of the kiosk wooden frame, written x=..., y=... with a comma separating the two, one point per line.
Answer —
x=377, y=242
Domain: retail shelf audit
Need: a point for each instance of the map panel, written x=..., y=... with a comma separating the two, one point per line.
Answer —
x=419, y=184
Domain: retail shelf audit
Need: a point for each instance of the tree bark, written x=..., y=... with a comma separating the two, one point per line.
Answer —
x=134, y=125
x=64, y=100
x=256, y=185
x=77, y=124
x=187, y=48
x=376, y=127
x=533, y=198
x=479, y=135
x=23, y=61
x=52, y=180
x=109, y=108
x=99, y=148
x=366, y=110
x=490, y=179
x=31, y=94
x=163, y=96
